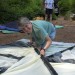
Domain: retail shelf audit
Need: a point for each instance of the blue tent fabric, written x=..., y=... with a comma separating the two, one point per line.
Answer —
x=2, y=27
x=11, y=26
x=12, y=29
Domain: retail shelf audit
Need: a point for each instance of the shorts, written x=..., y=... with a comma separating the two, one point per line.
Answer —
x=49, y=11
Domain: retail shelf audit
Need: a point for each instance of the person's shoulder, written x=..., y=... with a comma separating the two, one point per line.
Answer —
x=38, y=21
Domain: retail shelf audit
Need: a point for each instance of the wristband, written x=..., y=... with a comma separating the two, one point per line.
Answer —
x=43, y=49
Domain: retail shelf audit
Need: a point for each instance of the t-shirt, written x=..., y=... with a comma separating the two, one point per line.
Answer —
x=41, y=29
x=49, y=4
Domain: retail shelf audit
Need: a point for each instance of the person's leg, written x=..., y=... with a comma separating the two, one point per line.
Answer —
x=50, y=14
x=46, y=14
x=50, y=18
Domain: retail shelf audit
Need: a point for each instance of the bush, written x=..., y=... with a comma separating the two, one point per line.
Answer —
x=13, y=9
x=66, y=5
x=67, y=16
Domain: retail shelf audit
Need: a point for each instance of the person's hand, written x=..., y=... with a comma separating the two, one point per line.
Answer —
x=32, y=44
x=42, y=52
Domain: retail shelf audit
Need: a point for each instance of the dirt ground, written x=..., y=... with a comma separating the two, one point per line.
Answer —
x=66, y=34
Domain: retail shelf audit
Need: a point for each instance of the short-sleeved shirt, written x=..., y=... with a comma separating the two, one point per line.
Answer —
x=49, y=4
x=40, y=30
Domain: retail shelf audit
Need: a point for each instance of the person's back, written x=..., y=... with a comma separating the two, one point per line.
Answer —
x=45, y=27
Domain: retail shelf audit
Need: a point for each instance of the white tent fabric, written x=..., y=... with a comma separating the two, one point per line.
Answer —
x=68, y=55
x=32, y=64
x=57, y=47
x=16, y=51
x=7, y=62
x=64, y=68
x=54, y=48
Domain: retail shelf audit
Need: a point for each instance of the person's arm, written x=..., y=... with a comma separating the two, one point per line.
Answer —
x=48, y=43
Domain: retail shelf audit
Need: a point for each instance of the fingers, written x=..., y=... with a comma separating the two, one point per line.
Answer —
x=42, y=52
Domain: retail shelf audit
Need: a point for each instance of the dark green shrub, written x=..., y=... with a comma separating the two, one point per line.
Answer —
x=13, y=9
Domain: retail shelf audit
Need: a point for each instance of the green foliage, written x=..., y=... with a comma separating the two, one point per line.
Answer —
x=73, y=6
x=66, y=5
x=67, y=16
x=34, y=8
x=54, y=17
x=12, y=9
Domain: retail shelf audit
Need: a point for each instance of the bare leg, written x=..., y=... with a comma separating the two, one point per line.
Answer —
x=50, y=18
x=46, y=17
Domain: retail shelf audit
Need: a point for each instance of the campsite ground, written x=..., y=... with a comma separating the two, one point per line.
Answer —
x=66, y=34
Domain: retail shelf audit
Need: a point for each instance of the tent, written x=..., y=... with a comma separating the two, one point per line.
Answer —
x=30, y=62
x=11, y=26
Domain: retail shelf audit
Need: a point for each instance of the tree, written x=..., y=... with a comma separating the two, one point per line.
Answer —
x=12, y=9
x=66, y=5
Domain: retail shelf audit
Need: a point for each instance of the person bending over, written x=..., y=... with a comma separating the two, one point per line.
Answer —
x=42, y=32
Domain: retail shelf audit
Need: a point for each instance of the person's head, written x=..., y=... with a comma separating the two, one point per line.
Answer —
x=25, y=25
